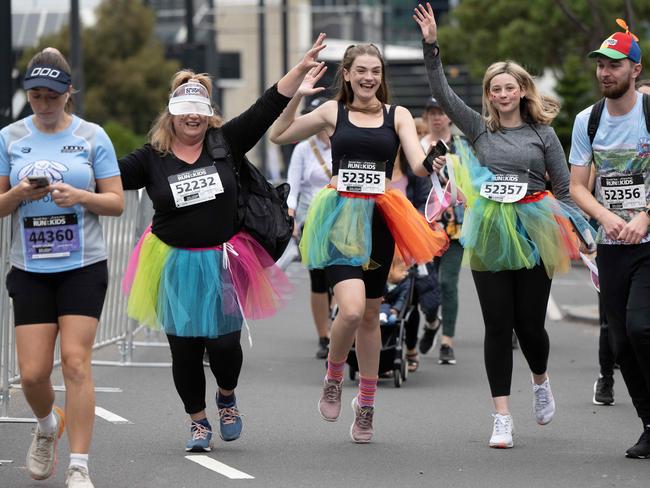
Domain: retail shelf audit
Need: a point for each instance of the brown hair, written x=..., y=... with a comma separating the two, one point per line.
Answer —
x=535, y=108
x=52, y=57
x=162, y=134
x=640, y=83
x=344, y=91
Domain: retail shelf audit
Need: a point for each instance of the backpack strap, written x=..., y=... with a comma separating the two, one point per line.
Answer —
x=646, y=110
x=594, y=119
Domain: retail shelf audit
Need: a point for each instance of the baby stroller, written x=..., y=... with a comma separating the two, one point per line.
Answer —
x=392, y=358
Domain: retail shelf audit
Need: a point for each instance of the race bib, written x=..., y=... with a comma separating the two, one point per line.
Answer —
x=195, y=186
x=52, y=236
x=362, y=176
x=623, y=192
x=505, y=188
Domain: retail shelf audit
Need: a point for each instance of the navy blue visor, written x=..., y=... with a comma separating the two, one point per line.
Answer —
x=43, y=76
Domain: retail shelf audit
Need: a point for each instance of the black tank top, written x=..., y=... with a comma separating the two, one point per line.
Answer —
x=365, y=143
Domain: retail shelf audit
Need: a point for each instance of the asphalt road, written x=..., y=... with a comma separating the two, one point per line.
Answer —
x=432, y=432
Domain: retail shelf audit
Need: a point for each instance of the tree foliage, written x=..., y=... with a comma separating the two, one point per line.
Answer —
x=126, y=76
x=540, y=34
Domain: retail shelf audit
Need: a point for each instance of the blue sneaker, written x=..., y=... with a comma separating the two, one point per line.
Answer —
x=230, y=423
x=201, y=440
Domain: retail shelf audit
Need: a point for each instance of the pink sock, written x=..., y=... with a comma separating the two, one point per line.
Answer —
x=367, y=389
x=335, y=370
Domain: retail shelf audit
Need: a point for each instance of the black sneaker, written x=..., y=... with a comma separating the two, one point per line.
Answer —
x=446, y=355
x=604, y=391
x=429, y=337
x=323, y=348
x=640, y=450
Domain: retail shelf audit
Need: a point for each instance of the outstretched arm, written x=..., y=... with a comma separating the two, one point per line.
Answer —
x=408, y=137
x=245, y=130
x=468, y=121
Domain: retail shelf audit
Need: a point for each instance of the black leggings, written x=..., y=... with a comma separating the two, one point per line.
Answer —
x=513, y=300
x=226, y=358
x=624, y=272
x=605, y=352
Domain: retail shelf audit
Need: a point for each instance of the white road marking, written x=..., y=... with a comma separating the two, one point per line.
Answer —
x=110, y=416
x=219, y=467
x=553, y=311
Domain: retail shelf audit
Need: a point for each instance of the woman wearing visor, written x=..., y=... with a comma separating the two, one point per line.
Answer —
x=58, y=173
x=194, y=272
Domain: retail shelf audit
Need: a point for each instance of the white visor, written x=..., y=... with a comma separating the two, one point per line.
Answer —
x=190, y=98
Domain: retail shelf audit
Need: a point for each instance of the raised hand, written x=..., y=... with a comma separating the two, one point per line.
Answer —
x=310, y=60
x=425, y=19
x=307, y=87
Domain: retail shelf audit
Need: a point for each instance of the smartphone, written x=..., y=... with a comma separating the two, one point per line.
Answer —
x=440, y=149
x=39, y=181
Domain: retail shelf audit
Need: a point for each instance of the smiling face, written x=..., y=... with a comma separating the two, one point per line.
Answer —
x=505, y=94
x=364, y=76
x=616, y=76
x=48, y=106
x=190, y=128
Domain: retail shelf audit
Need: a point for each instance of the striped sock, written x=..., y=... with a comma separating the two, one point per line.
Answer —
x=367, y=390
x=335, y=370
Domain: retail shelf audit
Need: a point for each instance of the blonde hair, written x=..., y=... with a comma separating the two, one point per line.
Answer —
x=344, y=90
x=535, y=108
x=162, y=134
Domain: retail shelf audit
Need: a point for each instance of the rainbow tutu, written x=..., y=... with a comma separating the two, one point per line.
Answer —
x=338, y=229
x=508, y=236
x=202, y=292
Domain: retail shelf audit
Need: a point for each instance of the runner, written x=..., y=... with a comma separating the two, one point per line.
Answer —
x=58, y=173
x=620, y=151
x=310, y=169
x=195, y=273
x=343, y=234
x=516, y=235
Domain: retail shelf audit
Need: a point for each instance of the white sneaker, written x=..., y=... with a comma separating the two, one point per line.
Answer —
x=502, y=431
x=41, y=456
x=543, y=403
x=78, y=477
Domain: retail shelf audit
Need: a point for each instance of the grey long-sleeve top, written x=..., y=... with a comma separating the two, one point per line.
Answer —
x=507, y=150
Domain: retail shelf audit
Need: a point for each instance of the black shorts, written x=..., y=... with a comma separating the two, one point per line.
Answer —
x=318, y=281
x=383, y=249
x=41, y=298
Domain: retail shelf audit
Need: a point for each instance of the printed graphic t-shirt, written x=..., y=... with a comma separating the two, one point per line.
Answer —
x=45, y=237
x=621, y=154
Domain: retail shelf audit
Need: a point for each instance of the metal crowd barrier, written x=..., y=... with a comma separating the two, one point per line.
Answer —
x=114, y=326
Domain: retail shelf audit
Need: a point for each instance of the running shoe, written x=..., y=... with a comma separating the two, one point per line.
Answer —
x=641, y=450
x=543, y=403
x=230, y=423
x=41, y=456
x=329, y=404
x=361, y=430
x=323, y=348
x=201, y=437
x=502, y=431
x=428, y=339
x=604, y=391
x=78, y=477
x=446, y=355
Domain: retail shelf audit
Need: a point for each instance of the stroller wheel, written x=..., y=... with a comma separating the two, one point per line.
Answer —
x=397, y=377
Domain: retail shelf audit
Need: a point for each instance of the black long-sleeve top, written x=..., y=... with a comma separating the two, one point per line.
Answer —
x=212, y=222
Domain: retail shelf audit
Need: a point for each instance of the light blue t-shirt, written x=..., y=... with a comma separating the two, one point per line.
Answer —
x=45, y=237
x=621, y=154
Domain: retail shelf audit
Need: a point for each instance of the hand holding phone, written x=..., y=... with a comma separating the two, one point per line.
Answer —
x=38, y=181
x=436, y=151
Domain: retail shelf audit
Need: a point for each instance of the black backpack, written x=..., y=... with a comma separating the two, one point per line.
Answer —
x=597, y=111
x=262, y=208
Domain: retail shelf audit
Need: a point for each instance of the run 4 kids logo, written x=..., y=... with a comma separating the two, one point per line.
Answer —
x=643, y=148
